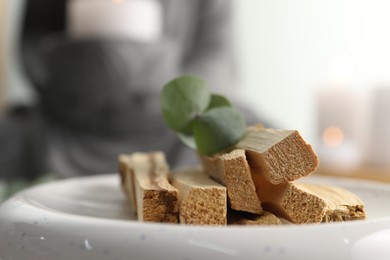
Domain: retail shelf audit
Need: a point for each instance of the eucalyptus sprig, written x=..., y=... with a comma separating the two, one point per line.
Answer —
x=203, y=121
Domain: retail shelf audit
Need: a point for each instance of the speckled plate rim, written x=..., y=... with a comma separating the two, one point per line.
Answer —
x=97, y=236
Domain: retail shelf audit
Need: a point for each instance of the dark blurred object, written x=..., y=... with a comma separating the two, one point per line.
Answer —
x=99, y=98
x=23, y=146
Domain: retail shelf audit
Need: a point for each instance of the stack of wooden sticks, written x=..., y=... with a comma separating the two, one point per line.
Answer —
x=252, y=184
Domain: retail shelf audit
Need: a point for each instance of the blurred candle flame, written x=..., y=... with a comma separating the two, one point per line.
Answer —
x=333, y=136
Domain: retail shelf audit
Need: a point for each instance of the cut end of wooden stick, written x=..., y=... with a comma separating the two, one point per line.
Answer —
x=160, y=206
x=232, y=170
x=202, y=200
x=279, y=155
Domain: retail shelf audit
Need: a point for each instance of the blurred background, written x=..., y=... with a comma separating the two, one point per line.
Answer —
x=321, y=67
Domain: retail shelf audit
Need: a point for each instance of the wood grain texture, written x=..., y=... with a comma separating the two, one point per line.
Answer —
x=279, y=155
x=291, y=201
x=126, y=172
x=342, y=204
x=202, y=200
x=232, y=170
x=144, y=177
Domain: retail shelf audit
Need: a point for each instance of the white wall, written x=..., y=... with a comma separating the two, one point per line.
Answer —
x=289, y=50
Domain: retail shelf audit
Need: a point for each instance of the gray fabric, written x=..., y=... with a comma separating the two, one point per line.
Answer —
x=101, y=98
x=196, y=41
x=107, y=88
x=23, y=149
x=12, y=144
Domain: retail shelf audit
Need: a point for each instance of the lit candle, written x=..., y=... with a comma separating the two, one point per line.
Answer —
x=348, y=111
x=338, y=151
x=139, y=20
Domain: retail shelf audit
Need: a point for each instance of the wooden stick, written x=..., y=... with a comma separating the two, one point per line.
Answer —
x=291, y=201
x=343, y=205
x=127, y=179
x=156, y=200
x=232, y=170
x=201, y=200
x=279, y=155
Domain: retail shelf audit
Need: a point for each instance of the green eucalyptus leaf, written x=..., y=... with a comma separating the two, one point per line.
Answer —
x=187, y=140
x=183, y=99
x=218, y=101
x=218, y=129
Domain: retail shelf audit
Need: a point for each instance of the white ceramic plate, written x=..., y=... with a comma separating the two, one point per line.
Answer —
x=89, y=218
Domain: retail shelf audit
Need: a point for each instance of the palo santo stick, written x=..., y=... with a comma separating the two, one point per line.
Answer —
x=291, y=201
x=343, y=205
x=279, y=155
x=156, y=199
x=127, y=179
x=243, y=218
x=201, y=200
x=232, y=170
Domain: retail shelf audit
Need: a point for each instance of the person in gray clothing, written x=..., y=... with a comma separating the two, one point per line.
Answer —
x=100, y=98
